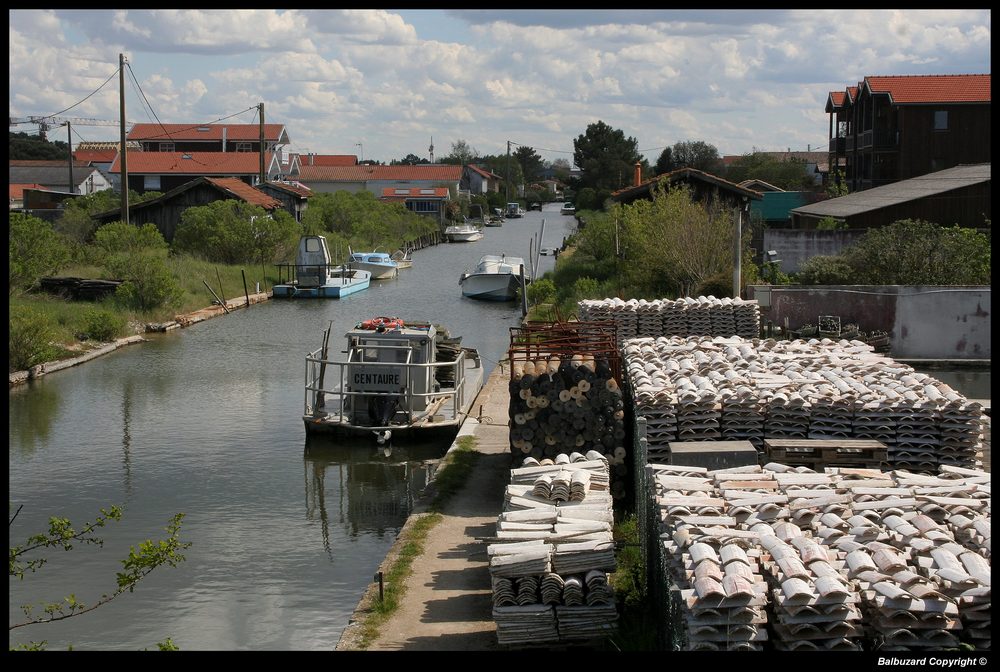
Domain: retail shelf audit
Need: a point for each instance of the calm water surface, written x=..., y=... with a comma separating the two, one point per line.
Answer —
x=207, y=421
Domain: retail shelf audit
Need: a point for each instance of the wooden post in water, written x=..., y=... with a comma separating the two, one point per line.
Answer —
x=524, y=293
x=221, y=291
x=246, y=292
x=320, y=396
x=221, y=302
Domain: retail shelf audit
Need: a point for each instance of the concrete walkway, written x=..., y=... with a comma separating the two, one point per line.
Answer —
x=448, y=601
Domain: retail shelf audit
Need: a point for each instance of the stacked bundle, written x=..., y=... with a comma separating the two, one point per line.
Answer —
x=814, y=608
x=742, y=416
x=623, y=314
x=649, y=320
x=699, y=316
x=807, y=390
x=675, y=321
x=747, y=317
x=555, y=547
x=721, y=318
x=722, y=594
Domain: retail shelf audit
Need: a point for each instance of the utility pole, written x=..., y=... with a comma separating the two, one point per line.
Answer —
x=123, y=151
x=69, y=144
x=506, y=185
x=738, y=251
x=263, y=173
x=361, y=150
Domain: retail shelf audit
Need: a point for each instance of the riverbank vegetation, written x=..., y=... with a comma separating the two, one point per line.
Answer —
x=224, y=245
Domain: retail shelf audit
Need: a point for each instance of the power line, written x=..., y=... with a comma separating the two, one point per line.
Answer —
x=188, y=128
x=143, y=94
x=35, y=120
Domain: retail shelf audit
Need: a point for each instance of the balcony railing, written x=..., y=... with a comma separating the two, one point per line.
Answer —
x=838, y=145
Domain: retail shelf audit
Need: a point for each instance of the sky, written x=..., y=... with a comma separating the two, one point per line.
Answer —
x=382, y=84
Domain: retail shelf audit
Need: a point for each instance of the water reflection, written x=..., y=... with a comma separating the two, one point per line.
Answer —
x=127, y=438
x=34, y=408
x=363, y=486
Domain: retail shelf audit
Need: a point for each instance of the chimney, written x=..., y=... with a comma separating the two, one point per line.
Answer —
x=224, y=129
x=638, y=173
x=311, y=158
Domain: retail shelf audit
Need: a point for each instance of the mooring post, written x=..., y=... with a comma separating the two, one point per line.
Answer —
x=381, y=589
x=246, y=292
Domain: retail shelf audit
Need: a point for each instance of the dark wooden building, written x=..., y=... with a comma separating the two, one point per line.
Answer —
x=165, y=211
x=956, y=196
x=704, y=186
x=893, y=128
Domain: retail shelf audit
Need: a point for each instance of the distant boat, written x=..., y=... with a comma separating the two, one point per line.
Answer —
x=463, y=233
x=496, y=278
x=379, y=264
x=312, y=276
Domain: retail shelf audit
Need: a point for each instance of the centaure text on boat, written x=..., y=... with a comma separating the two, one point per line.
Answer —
x=399, y=380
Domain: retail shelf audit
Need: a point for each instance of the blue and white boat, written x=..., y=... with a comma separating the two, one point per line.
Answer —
x=379, y=264
x=313, y=276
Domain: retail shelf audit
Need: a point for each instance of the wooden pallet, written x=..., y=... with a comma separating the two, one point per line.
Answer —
x=834, y=452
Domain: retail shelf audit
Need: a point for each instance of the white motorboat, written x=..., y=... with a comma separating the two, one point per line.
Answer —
x=463, y=233
x=403, y=259
x=398, y=380
x=379, y=264
x=496, y=278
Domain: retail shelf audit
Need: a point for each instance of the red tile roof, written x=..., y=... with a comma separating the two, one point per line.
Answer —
x=95, y=155
x=932, y=88
x=364, y=173
x=244, y=191
x=392, y=194
x=17, y=190
x=213, y=132
x=484, y=173
x=328, y=159
x=199, y=163
x=837, y=97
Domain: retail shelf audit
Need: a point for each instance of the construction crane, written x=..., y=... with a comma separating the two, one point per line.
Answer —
x=45, y=123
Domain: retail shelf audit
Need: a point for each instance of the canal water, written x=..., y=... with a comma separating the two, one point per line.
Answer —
x=207, y=421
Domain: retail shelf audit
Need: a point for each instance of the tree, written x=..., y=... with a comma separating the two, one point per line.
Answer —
x=409, y=160
x=462, y=153
x=561, y=169
x=530, y=162
x=141, y=561
x=36, y=250
x=606, y=157
x=789, y=174
x=696, y=154
x=235, y=232
x=837, y=184
x=916, y=252
x=36, y=148
x=665, y=163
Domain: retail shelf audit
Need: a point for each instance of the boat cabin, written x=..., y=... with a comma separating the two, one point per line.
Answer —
x=312, y=261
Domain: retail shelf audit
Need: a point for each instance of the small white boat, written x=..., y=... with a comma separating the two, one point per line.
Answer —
x=313, y=276
x=397, y=381
x=379, y=264
x=496, y=278
x=463, y=233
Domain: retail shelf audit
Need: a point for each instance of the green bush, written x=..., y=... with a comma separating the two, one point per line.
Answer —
x=101, y=324
x=35, y=251
x=826, y=270
x=234, y=232
x=719, y=285
x=147, y=282
x=30, y=339
x=119, y=237
x=542, y=290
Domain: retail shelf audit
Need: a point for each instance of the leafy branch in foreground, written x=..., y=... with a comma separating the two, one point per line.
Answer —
x=142, y=560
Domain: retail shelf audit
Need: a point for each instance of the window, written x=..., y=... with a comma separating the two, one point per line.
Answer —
x=166, y=146
x=312, y=244
x=244, y=147
x=151, y=182
x=941, y=120
x=422, y=206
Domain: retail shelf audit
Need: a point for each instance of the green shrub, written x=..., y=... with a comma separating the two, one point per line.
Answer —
x=147, y=282
x=542, y=290
x=234, y=232
x=826, y=270
x=30, y=339
x=35, y=251
x=101, y=324
x=719, y=285
x=119, y=237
